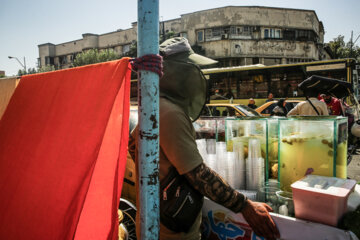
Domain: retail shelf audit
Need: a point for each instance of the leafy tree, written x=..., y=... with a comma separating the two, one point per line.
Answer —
x=341, y=49
x=21, y=72
x=31, y=71
x=2, y=75
x=46, y=68
x=95, y=56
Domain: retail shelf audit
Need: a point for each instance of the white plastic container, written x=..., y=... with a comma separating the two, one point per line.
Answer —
x=321, y=199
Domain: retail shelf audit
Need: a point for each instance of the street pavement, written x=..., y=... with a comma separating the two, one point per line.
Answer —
x=354, y=167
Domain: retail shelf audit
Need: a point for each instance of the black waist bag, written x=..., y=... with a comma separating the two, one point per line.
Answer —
x=180, y=203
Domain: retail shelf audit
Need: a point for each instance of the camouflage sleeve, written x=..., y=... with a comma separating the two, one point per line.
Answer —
x=211, y=185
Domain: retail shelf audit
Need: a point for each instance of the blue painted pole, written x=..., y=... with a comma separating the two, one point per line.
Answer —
x=148, y=100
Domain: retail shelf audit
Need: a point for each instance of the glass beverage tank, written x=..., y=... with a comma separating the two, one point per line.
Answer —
x=210, y=128
x=272, y=140
x=239, y=132
x=311, y=144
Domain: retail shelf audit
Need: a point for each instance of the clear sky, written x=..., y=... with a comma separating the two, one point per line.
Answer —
x=24, y=24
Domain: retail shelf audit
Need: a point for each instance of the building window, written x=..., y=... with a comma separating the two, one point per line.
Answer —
x=184, y=34
x=49, y=60
x=200, y=36
x=272, y=33
x=240, y=32
x=72, y=57
x=277, y=33
x=62, y=60
x=305, y=35
x=216, y=32
x=126, y=48
x=289, y=34
x=266, y=33
x=208, y=34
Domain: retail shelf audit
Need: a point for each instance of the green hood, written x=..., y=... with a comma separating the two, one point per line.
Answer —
x=183, y=82
x=185, y=85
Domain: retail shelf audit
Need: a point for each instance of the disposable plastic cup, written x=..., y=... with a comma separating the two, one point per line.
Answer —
x=211, y=146
x=249, y=194
x=268, y=196
x=211, y=161
x=254, y=148
x=286, y=198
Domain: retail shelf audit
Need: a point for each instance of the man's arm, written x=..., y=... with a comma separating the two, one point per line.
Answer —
x=211, y=185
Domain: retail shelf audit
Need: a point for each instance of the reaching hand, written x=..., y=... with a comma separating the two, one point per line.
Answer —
x=259, y=219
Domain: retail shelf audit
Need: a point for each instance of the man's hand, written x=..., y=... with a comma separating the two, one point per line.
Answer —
x=259, y=219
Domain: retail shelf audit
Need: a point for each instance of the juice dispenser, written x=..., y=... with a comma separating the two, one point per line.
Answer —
x=311, y=144
x=272, y=140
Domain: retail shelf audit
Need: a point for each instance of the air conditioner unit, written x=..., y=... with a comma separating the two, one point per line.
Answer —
x=224, y=36
x=357, y=66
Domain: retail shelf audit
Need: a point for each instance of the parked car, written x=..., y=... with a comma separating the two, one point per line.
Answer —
x=228, y=110
x=266, y=108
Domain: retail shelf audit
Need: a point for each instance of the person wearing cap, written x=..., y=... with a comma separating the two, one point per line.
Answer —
x=182, y=97
x=252, y=103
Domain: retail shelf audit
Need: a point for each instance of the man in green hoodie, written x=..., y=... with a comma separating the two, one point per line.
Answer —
x=182, y=97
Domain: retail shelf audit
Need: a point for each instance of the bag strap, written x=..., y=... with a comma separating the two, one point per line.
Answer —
x=313, y=106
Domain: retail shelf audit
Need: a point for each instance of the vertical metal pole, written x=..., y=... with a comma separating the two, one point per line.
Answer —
x=24, y=65
x=148, y=100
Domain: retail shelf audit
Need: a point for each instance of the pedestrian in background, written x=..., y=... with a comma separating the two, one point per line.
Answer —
x=252, y=103
x=333, y=104
x=311, y=107
x=280, y=109
x=270, y=97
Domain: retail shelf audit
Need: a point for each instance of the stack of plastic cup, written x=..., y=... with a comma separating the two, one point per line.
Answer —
x=230, y=173
x=255, y=166
x=221, y=156
x=211, y=161
x=239, y=166
x=211, y=146
x=249, y=194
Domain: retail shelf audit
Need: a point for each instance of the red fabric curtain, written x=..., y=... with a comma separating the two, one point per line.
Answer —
x=63, y=142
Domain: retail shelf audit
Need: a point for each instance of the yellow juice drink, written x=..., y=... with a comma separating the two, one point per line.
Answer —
x=299, y=154
x=341, y=160
x=273, y=157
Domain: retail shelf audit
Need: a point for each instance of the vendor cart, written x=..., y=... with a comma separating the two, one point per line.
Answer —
x=220, y=223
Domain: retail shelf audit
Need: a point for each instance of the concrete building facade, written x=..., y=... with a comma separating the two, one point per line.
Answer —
x=232, y=35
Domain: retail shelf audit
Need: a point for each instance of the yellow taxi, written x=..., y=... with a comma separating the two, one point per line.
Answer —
x=266, y=108
x=227, y=110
